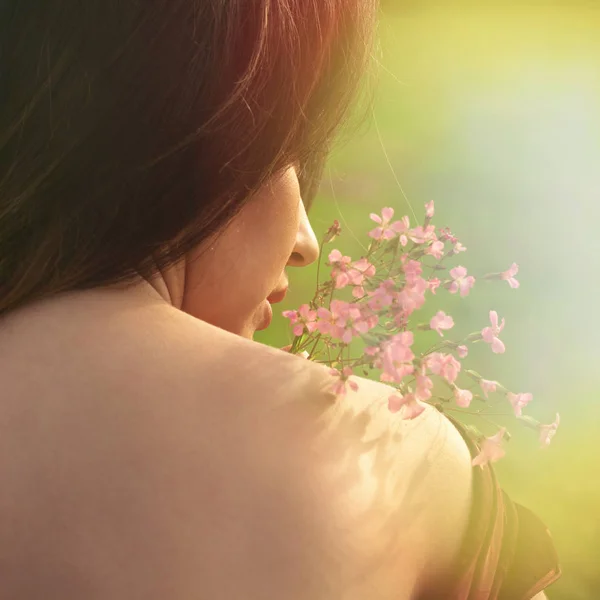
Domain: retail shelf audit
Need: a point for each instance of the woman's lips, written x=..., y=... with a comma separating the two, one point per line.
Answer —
x=274, y=298
x=277, y=296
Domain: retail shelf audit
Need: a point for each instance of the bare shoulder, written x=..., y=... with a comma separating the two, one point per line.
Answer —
x=410, y=495
x=143, y=455
x=381, y=502
x=171, y=459
x=383, y=491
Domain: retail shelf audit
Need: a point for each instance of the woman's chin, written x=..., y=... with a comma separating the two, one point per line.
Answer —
x=259, y=320
x=265, y=315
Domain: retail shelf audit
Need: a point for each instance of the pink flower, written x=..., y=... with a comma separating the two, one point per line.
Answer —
x=372, y=350
x=360, y=270
x=436, y=250
x=412, y=297
x=395, y=372
x=292, y=315
x=547, y=431
x=332, y=232
x=429, y=209
x=354, y=322
x=462, y=351
x=405, y=338
x=462, y=282
x=369, y=317
x=412, y=408
x=519, y=402
x=424, y=386
x=343, y=382
x=488, y=386
x=458, y=248
x=383, y=296
x=444, y=365
x=441, y=321
x=386, y=229
x=509, y=275
x=395, y=357
x=336, y=257
x=332, y=322
x=463, y=397
x=420, y=234
x=433, y=284
x=301, y=319
x=491, y=449
x=446, y=236
x=400, y=318
x=490, y=334
x=403, y=228
x=412, y=271
x=340, y=265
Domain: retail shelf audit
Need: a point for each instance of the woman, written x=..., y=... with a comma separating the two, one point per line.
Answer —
x=156, y=162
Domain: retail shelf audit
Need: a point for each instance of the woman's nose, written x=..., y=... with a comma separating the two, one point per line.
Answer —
x=306, y=249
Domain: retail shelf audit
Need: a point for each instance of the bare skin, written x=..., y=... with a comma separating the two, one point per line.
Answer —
x=149, y=449
x=147, y=454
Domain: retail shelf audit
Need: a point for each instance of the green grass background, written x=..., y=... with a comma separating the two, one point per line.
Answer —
x=493, y=111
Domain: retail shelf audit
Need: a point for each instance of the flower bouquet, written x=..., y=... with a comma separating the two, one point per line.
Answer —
x=384, y=289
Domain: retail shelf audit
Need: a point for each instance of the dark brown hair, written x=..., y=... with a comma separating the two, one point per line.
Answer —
x=132, y=131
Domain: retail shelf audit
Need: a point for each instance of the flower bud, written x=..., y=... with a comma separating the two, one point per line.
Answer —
x=474, y=337
x=332, y=232
x=529, y=421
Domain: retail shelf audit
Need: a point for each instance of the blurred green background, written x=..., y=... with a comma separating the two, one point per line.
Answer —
x=492, y=109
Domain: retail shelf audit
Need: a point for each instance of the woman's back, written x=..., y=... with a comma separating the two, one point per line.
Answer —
x=147, y=454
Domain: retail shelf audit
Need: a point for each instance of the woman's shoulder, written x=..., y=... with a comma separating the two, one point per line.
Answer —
x=412, y=484
x=106, y=348
x=167, y=407
x=141, y=447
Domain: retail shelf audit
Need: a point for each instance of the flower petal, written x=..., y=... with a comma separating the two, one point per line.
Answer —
x=494, y=319
x=498, y=346
x=387, y=213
